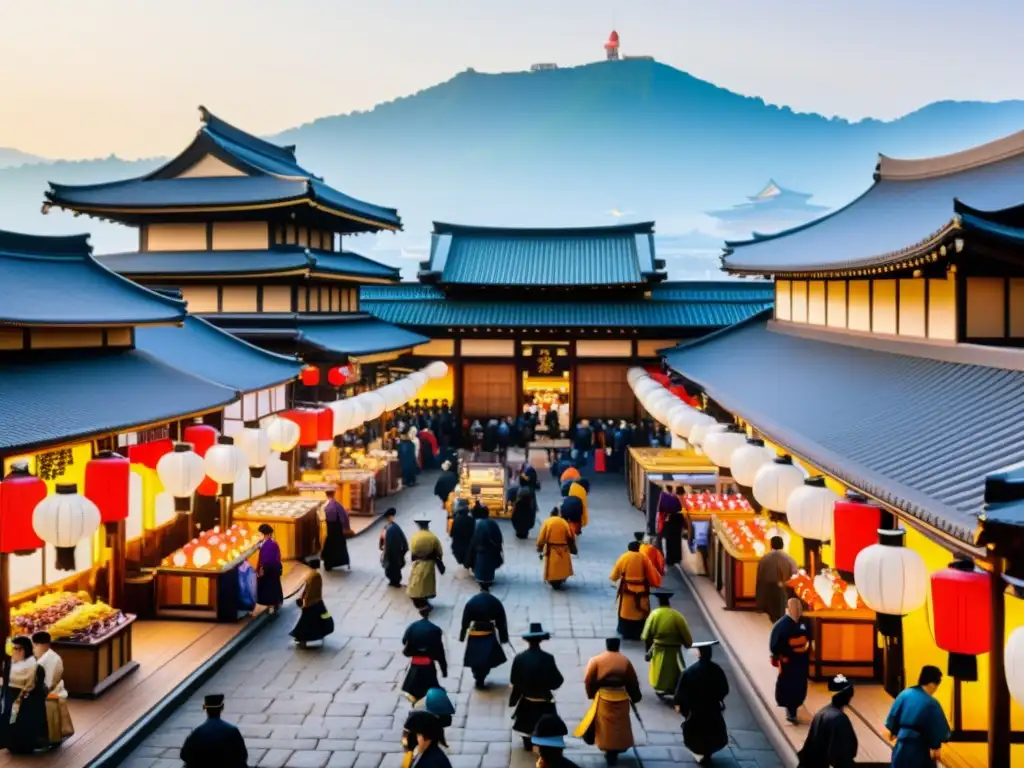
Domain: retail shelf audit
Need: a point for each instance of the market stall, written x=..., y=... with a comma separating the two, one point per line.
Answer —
x=701, y=506
x=201, y=579
x=294, y=520
x=737, y=545
x=484, y=481
x=670, y=465
x=355, y=488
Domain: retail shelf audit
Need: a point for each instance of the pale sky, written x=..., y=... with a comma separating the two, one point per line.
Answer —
x=87, y=78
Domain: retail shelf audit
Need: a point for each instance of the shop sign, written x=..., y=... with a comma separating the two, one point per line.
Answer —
x=548, y=361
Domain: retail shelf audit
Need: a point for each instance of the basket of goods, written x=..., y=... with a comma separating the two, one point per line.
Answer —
x=212, y=550
x=747, y=536
x=826, y=590
x=715, y=502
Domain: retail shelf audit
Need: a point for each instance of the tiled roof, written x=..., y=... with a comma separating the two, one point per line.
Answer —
x=281, y=259
x=56, y=281
x=594, y=256
x=895, y=426
x=206, y=351
x=360, y=335
x=59, y=400
x=672, y=305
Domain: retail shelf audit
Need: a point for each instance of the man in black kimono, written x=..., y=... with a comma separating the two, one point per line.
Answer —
x=534, y=679
x=461, y=531
x=446, y=482
x=831, y=741
x=790, y=647
x=214, y=742
x=700, y=699
x=422, y=643
x=484, y=630
x=485, y=554
x=393, y=549
x=421, y=735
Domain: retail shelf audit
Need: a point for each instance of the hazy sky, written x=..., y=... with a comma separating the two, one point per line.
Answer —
x=83, y=79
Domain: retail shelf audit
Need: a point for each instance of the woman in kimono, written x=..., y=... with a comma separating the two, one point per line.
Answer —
x=315, y=623
x=790, y=646
x=665, y=635
x=268, y=572
x=463, y=526
x=334, y=551
x=831, y=741
x=524, y=512
x=58, y=718
x=917, y=724
x=635, y=576
x=23, y=725
x=700, y=699
x=485, y=554
x=557, y=544
x=426, y=552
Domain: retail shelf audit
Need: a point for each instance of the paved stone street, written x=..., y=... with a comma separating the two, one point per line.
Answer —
x=340, y=707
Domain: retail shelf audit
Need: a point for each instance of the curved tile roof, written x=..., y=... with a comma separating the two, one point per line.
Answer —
x=358, y=336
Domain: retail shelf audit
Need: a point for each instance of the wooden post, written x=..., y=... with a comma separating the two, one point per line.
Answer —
x=116, y=565
x=998, y=692
x=5, y=600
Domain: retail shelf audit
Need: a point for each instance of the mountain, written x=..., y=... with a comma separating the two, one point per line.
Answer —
x=12, y=157
x=567, y=147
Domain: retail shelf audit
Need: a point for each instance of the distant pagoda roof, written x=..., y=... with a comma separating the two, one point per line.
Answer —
x=57, y=281
x=269, y=177
x=609, y=256
x=905, y=218
x=772, y=197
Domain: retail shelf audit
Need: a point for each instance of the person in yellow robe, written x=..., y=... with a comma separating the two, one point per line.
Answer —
x=611, y=684
x=653, y=554
x=570, y=474
x=580, y=493
x=557, y=544
x=425, y=549
x=665, y=635
x=635, y=576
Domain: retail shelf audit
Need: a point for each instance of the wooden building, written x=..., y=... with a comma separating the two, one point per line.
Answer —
x=551, y=313
x=892, y=364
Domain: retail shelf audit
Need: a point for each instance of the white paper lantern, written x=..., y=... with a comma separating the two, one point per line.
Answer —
x=676, y=408
x=437, y=369
x=892, y=580
x=254, y=443
x=373, y=405
x=658, y=404
x=419, y=378
x=774, y=482
x=342, y=410
x=358, y=412
x=809, y=509
x=180, y=473
x=63, y=519
x=407, y=388
x=701, y=428
x=393, y=396
x=748, y=459
x=645, y=388
x=633, y=375
x=1014, y=664
x=719, y=446
x=283, y=434
x=224, y=462
x=683, y=420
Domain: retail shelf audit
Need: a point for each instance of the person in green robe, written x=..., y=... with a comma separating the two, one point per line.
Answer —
x=427, y=554
x=665, y=635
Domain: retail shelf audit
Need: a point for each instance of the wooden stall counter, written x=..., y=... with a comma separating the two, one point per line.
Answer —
x=93, y=665
x=643, y=463
x=294, y=520
x=355, y=488
x=736, y=546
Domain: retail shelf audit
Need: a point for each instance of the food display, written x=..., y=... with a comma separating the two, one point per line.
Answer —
x=489, y=478
x=67, y=616
x=213, y=550
x=293, y=518
x=281, y=506
x=714, y=503
x=751, y=537
x=827, y=590
x=649, y=470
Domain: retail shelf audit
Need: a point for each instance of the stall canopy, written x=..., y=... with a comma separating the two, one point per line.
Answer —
x=206, y=351
x=918, y=431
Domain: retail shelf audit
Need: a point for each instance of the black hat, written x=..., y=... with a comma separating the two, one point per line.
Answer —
x=213, y=701
x=663, y=595
x=437, y=702
x=613, y=643
x=550, y=731
x=839, y=683
x=266, y=530
x=390, y=512
x=536, y=632
x=425, y=724
x=639, y=535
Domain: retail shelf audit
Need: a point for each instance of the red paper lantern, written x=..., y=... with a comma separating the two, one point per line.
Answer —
x=336, y=377
x=148, y=454
x=310, y=376
x=308, y=421
x=107, y=483
x=324, y=424
x=855, y=525
x=20, y=492
x=961, y=616
x=202, y=437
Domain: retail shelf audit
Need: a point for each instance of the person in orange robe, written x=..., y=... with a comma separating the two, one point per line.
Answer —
x=570, y=474
x=611, y=684
x=653, y=554
x=635, y=576
x=557, y=544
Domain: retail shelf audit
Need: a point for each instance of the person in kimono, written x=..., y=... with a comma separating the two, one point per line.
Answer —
x=334, y=552
x=534, y=679
x=528, y=478
x=421, y=737
x=653, y=554
x=671, y=536
x=700, y=699
x=916, y=723
x=549, y=743
x=58, y=718
x=446, y=482
x=831, y=740
x=485, y=554
x=428, y=448
x=579, y=491
x=557, y=544
x=572, y=513
x=414, y=437
x=524, y=512
x=268, y=572
x=611, y=685
x=668, y=504
x=665, y=635
x=773, y=571
x=315, y=623
x=426, y=553
x=407, y=459
x=215, y=742
x=423, y=644
x=635, y=576
x=461, y=532
x=23, y=726
x=790, y=647
x=393, y=548
x=484, y=630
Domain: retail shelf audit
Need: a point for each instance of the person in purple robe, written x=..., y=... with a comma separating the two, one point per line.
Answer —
x=268, y=572
x=334, y=553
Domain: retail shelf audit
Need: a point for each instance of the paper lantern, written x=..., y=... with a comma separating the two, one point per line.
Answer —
x=202, y=436
x=659, y=403
x=675, y=409
x=309, y=427
x=1013, y=661
x=64, y=519
x=720, y=446
x=684, y=420
x=373, y=405
x=645, y=387
x=224, y=462
x=342, y=410
x=107, y=483
x=254, y=443
x=855, y=525
x=633, y=375
x=809, y=509
x=419, y=378
x=393, y=396
x=962, y=615
x=20, y=492
x=701, y=428
x=181, y=471
x=437, y=369
x=283, y=434
x=324, y=423
x=748, y=459
x=358, y=412
x=774, y=482
x=336, y=377
x=408, y=388
x=148, y=454
x=310, y=376
x=892, y=580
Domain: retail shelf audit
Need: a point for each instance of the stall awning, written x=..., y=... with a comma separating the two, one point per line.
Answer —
x=60, y=400
x=918, y=433
x=358, y=336
x=210, y=353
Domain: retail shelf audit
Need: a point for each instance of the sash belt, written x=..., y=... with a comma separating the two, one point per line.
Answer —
x=421, y=661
